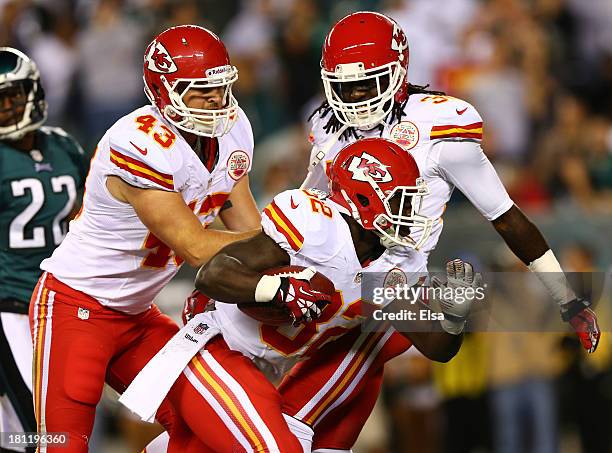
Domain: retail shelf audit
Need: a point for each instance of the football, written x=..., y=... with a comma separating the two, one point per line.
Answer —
x=268, y=313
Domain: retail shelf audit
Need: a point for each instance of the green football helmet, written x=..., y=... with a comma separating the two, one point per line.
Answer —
x=22, y=100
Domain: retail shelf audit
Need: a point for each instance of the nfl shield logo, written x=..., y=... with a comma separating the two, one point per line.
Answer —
x=200, y=328
x=83, y=313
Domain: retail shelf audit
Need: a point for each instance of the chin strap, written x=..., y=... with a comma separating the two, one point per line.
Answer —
x=386, y=241
x=352, y=207
x=320, y=155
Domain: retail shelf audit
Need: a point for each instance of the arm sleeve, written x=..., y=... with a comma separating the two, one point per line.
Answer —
x=465, y=165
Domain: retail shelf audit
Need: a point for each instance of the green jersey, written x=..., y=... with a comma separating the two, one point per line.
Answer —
x=38, y=191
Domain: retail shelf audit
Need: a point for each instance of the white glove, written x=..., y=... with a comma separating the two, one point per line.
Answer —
x=453, y=298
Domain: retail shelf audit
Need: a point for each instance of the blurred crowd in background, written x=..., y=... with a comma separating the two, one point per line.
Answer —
x=540, y=74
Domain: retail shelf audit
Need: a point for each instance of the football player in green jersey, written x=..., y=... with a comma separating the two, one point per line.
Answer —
x=42, y=172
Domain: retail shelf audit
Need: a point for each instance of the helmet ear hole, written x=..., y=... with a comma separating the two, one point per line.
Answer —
x=181, y=86
x=363, y=200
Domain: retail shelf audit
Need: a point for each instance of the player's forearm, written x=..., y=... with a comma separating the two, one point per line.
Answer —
x=240, y=213
x=521, y=235
x=528, y=244
x=201, y=251
x=239, y=219
x=439, y=346
x=426, y=335
x=227, y=279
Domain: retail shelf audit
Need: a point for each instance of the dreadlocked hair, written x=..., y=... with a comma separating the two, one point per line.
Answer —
x=397, y=111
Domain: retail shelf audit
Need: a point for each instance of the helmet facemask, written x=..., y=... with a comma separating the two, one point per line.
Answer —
x=402, y=224
x=368, y=113
x=27, y=108
x=205, y=122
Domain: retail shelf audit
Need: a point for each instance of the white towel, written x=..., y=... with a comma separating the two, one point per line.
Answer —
x=152, y=384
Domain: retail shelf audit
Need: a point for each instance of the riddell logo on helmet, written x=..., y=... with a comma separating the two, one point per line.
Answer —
x=370, y=166
x=159, y=59
x=219, y=70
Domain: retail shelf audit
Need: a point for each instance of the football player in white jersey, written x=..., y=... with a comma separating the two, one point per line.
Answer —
x=364, y=68
x=375, y=189
x=159, y=177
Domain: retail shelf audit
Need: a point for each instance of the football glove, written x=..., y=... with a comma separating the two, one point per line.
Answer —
x=459, y=274
x=584, y=322
x=304, y=303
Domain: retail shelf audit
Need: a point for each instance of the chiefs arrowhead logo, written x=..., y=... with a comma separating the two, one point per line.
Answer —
x=159, y=59
x=370, y=166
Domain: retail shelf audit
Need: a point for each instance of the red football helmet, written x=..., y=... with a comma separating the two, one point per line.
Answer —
x=185, y=57
x=374, y=177
x=365, y=46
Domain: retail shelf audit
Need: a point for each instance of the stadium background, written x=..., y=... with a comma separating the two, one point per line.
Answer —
x=539, y=72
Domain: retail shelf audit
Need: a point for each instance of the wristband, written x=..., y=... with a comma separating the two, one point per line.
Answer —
x=549, y=271
x=267, y=288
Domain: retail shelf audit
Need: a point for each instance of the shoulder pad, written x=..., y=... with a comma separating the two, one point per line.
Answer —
x=53, y=130
x=317, y=132
x=73, y=146
x=243, y=133
x=301, y=221
x=70, y=146
x=141, y=160
x=455, y=119
x=317, y=193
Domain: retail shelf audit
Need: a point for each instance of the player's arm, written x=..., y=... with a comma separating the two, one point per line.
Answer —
x=521, y=235
x=467, y=167
x=440, y=340
x=239, y=212
x=167, y=216
x=234, y=276
x=426, y=335
x=528, y=244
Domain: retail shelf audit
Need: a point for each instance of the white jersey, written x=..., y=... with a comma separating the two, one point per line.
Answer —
x=312, y=231
x=443, y=134
x=109, y=253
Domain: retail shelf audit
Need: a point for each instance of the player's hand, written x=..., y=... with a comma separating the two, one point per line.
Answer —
x=304, y=303
x=584, y=322
x=459, y=274
x=195, y=304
